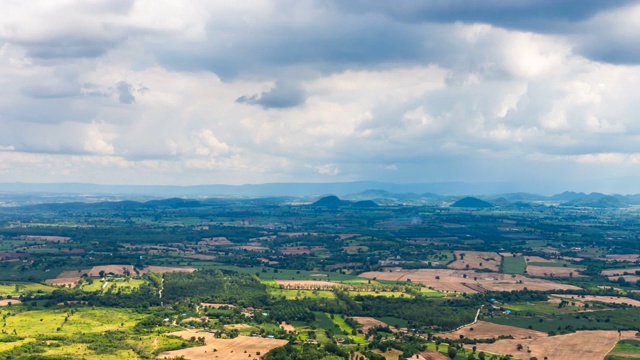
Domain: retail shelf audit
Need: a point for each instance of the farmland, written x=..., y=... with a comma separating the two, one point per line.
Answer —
x=283, y=280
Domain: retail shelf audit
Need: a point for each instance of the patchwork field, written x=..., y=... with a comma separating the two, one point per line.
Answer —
x=487, y=330
x=309, y=284
x=66, y=278
x=547, y=271
x=240, y=348
x=620, y=272
x=603, y=299
x=476, y=260
x=576, y=346
x=369, y=322
x=297, y=250
x=7, y=302
x=467, y=281
x=629, y=257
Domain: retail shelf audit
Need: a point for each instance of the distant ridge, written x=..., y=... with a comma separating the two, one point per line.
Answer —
x=260, y=190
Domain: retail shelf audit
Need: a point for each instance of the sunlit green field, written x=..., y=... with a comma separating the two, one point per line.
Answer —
x=22, y=288
x=50, y=322
x=114, y=284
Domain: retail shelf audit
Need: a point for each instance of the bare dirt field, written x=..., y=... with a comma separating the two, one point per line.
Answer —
x=576, y=346
x=202, y=257
x=627, y=278
x=355, y=248
x=604, y=299
x=215, y=241
x=346, y=236
x=258, y=248
x=487, y=330
x=287, y=327
x=620, y=272
x=240, y=348
x=296, y=234
x=166, y=269
x=630, y=257
x=217, y=306
x=547, y=271
x=297, y=250
x=369, y=322
x=476, y=260
x=66, y=278
x=44, y=238
x=6, y=302
x=115, y=269
x=455, y=280
x=629, y=335
x=309, y=284
x=433, y=355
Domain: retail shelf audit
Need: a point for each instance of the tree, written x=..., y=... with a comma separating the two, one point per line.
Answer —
x=452, y=352
x=519, y=347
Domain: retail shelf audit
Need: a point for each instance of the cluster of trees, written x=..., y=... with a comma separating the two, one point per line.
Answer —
x=215, y=286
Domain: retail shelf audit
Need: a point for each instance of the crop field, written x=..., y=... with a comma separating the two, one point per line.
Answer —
x=576, y=346
x=548, y=271
x=291, y=294
x=369, y=322
x=514, y=265
x=487, y=330
x=66, y=278
x=52, y=321
x=626, y=257
x=239, y=348
x=467, y=281
x=620, y=272
x=476, y=260
x=22, y=288
x=602, y=299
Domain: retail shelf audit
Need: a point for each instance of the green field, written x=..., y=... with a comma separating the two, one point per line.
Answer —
x=627, y=346
x=513, y=265
x=23, y=288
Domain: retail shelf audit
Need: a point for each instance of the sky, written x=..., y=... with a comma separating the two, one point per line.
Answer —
x=538, y=93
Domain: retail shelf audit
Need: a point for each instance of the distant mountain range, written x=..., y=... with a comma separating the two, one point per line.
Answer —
x=258, y=190
x=358, y=194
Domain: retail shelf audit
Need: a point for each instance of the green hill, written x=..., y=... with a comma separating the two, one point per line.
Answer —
x=471, y=202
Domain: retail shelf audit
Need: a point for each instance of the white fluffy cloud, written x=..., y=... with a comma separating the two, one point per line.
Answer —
x=245, y=92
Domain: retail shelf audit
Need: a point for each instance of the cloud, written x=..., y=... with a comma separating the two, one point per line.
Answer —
x=282, y=95
x=124, y=93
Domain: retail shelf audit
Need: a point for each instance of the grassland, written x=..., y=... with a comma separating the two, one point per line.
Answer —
x=513, y=265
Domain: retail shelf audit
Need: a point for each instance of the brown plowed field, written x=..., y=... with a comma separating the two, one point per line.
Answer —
x=548, y=271
x=581, y=345
x=369, y=322
x=487, y=330
x=6, y=302
x=604, y=299
x=66, y=278
x=226, y=349
x=454, y=280
x=297, y=250
x=630, y=258
x=620, y=272
x=489, y=260
x=309, y=284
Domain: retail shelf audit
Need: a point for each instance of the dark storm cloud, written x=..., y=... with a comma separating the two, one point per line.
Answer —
x=330, y=44
x=282, y=95
x=534, y=15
